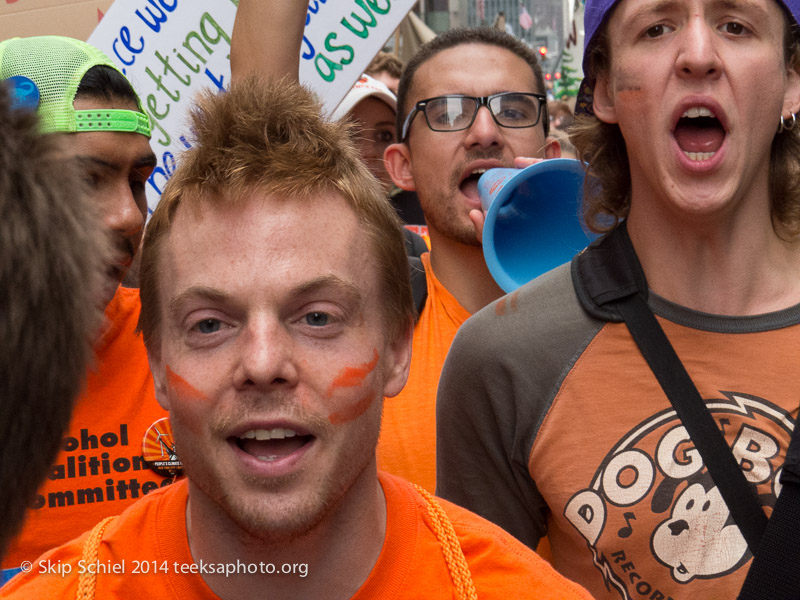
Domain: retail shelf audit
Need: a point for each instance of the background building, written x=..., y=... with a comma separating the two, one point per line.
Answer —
x=552, y=27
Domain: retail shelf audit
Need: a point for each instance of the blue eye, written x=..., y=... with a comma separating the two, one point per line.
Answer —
x=208, y=326
x=317, y=319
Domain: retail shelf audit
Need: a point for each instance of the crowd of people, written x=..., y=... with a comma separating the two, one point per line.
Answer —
x=301, y=398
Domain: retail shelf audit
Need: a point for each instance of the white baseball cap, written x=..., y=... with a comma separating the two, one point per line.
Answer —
x=365, y=87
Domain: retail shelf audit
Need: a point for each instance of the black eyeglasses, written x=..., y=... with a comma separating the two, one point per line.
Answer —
x=456, y=112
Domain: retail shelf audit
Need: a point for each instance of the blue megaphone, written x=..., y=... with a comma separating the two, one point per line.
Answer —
x=533, y=219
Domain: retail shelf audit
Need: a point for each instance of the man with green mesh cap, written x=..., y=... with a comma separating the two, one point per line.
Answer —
x=551, y=419
x=84, y=99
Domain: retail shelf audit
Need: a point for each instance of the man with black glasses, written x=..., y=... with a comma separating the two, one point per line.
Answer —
x=470, y=100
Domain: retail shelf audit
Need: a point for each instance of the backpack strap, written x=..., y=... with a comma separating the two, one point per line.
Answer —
x=739, y=495
x=610, y=280
x=419, y=284
x=415, y=243
x=606, y=271
x=415, y=248
x=774, y=572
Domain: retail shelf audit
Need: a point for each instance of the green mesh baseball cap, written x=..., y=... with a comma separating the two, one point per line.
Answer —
x=44, y=72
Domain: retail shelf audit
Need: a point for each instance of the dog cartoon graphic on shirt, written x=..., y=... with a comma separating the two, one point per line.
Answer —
x=699, y=539
x=651, y=507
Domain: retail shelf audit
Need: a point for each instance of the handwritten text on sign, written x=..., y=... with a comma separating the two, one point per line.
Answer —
x=172, y=49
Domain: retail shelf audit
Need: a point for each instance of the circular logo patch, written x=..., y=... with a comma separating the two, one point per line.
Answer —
x=158, y=449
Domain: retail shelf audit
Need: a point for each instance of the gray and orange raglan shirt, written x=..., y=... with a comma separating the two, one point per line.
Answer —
x=550, y=422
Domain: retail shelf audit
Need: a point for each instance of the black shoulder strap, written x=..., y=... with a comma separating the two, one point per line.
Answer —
x=416, y=247
x=415, y=243
x=419, y=284
x=775, y=572
x=739, y=495
x=612, y=279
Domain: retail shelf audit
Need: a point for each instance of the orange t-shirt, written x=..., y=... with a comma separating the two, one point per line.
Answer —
x=152, y=535
x=99, y=470
x=407, y=446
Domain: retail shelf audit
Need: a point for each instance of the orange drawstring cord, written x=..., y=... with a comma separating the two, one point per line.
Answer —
x=451, y=548
x=87, y=581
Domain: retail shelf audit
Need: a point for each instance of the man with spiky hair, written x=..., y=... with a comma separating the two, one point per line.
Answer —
x=552, y=419
x=277, y=313
x=52, y=255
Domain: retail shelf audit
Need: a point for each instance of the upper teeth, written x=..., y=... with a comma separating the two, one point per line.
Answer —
x=698, y=111
x=697, y=156
x=478, y=171
x=268, y=434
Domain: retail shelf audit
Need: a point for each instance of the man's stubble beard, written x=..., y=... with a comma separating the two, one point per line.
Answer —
x=271, y=519
x=445, y=214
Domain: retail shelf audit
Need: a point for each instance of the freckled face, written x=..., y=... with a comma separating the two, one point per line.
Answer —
x=273, y=359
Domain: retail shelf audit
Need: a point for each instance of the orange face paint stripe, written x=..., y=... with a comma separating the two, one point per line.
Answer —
x=352, y=376
x=351, y=412
x=183, y=388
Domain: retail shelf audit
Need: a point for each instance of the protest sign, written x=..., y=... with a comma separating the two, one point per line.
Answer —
x=171, y=49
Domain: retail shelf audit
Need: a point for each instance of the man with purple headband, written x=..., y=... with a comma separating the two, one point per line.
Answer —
x=550, y=420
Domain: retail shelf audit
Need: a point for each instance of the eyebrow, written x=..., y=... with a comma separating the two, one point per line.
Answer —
x=742, y=4
x=194, y=293
x=317, y=284
x=664, y=5
x=651, y=8
x=145, y=161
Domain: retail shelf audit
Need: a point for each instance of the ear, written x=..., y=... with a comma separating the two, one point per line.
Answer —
x=791, y=99
x=159, y=378
x=552, y=147
x=603, y=100
x=399, y=363
x=397, y=158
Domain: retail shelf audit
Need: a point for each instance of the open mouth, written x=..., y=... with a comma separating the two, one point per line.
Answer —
x=469, y=185
x=269, y=445
x=699, y=133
